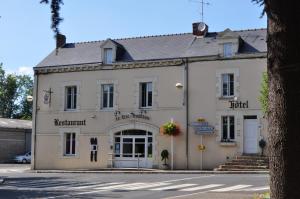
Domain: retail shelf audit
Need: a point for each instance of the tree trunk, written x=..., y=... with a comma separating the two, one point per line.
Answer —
x=284, y=97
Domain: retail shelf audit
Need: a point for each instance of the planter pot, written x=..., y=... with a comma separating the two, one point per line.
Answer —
x=165, y=167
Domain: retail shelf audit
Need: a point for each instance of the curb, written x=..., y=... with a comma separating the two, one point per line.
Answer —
x=149, y=172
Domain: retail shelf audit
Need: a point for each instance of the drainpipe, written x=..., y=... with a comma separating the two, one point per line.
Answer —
x=186, y=104
x=33, y=140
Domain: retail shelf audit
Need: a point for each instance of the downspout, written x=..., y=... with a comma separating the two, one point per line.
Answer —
x=186, y=103
x=33, y=142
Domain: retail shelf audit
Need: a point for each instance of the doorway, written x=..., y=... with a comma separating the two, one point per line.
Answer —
x=250, y=135
x=133, y=148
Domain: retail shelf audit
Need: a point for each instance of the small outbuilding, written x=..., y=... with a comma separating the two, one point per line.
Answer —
x=15, y=138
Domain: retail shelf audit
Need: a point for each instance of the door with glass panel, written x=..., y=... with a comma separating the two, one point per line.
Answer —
x=133, y=148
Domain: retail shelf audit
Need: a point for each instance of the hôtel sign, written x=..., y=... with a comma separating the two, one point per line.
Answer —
x=238, y=104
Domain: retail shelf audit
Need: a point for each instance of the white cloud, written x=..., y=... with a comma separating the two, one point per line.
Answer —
x=25, y=70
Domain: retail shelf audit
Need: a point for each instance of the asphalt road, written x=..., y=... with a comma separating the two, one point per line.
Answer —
x=23, y=184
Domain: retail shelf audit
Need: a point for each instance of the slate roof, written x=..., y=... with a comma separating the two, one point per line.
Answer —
x=15, y=124
x=154, y=48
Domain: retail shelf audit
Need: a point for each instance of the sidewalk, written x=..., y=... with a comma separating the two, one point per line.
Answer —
x=149, y=171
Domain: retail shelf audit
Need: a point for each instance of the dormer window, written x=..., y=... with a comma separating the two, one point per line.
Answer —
x=228, y=49
x=108, y=55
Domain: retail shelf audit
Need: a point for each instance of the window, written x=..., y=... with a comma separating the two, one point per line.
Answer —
x=70, y=144
x=107, y=96
x=108, y=56
x=145, y=94
x=228, y=128
x=227, y=50
x=71, y=98
x=227, y=85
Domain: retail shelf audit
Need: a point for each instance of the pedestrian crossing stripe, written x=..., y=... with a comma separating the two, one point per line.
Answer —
x=108, y=186
x=172, y=187
x=202, y=187
x=231, y=188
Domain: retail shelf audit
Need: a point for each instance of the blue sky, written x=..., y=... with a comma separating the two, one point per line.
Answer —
x=26, y=37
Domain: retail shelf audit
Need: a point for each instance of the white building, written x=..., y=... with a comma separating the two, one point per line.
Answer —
x=101, y=104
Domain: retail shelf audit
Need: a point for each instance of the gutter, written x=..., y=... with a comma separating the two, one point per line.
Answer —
x=186, y=103
x=33, y=147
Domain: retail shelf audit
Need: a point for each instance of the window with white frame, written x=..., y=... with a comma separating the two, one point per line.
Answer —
x=71, y=97
x=70, y=144
x=228, y=128
x=228, y=85
x=228, y=49
x=145, y=94
x=108, y=55
x=107, y=91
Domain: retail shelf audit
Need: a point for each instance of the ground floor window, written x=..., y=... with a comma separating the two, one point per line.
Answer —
x=228, y=128
x=70, y=144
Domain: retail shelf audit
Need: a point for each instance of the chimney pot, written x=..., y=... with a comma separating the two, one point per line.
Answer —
x=200, y=29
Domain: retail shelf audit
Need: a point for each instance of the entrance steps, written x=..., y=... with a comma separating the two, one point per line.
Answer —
x=246, y=163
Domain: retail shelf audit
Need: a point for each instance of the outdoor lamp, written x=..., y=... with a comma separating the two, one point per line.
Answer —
x=29, y=98
x=179, y=85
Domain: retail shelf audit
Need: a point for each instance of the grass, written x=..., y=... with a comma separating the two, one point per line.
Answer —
x=262, y=196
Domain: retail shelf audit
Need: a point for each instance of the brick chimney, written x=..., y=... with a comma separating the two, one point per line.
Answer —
x=200, y=29
x=60, y=40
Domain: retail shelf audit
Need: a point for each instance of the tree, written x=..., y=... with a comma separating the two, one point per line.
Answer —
x=264, y=91
x=14, y=90
x=284, y=96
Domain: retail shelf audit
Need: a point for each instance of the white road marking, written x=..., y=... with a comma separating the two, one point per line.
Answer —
x=202, y=187
x=262, y=188
x=231, y=188
x=118, y=186
x=96, y=185
x=183, y=179
x=173, y=187
x=147, y=185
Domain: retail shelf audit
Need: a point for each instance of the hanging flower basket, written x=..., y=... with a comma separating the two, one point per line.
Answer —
x=170, y=128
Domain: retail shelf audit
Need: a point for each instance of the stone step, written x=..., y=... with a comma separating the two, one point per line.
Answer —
x=242, y=167
x=250, y=161
x=218, y=169
x=247, y=163
x=248, y=157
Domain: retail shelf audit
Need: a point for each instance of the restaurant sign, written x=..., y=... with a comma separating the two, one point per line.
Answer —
x=58, y=122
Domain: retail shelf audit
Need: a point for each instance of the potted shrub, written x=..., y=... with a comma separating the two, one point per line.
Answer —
x=164, y=157
x=262, y=144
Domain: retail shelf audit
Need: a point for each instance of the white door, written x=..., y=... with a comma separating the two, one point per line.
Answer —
x=250, y=136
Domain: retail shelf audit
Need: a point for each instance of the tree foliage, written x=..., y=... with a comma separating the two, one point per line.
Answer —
x=14, y=90
x=264, y=91
x=55, y=15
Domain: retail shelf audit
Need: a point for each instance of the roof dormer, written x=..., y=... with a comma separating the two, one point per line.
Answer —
x=229, y=43
x=110, y=51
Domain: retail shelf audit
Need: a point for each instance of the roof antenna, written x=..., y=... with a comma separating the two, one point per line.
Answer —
x=203, y=3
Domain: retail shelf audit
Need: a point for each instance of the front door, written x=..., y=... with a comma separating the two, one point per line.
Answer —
x=133, y=149
x=250, y=135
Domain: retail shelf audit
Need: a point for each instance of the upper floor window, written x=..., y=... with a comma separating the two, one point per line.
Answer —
x=228, y=128
x=227, y=50
x=146, y=94
x=70, y=144
x=107, y=91
x=71, y=98
x=108, y=55
x=228, y=85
